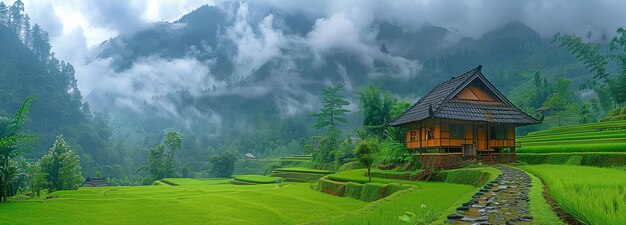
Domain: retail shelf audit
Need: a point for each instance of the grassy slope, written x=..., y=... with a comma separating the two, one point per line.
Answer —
x=193, y=204
x=304, y=170
x=592, y=195
x=592, y=137
x=440, y=199
x=258, y=179
x=540, y=210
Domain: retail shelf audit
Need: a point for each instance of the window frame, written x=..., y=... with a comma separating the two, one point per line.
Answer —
x=457, y=131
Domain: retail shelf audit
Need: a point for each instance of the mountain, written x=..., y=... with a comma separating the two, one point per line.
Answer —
x=247, y=78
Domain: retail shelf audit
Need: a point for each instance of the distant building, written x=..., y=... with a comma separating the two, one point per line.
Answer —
x=96, y=182
x=463, y=117
x=249, y=156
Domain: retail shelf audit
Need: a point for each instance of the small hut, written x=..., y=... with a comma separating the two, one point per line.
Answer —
x=463, y=118
x=96, y=182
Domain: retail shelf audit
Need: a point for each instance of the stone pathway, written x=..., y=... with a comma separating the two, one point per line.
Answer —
x=501, y=201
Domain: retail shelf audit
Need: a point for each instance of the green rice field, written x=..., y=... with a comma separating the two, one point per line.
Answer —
x=191, y=202
x=592, y=137
x=591, y=195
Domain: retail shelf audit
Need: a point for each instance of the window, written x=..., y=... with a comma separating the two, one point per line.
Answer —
x=412, y=135
x=498, y=133
x=457, y=131
x=430, y=133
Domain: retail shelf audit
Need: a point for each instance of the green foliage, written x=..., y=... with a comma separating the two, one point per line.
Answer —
x=591, y=195
x=376, y=109
x=223, y=164
x=161, y=162
x=424, y=218
x=609, y=85
x=333, y=111
x=10, y=141
x=61, y=167
x=366, y=152
x=393, y=152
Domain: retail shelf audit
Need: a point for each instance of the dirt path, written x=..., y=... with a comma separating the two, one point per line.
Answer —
x=501, y=201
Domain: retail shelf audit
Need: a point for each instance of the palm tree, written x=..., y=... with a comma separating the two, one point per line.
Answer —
x=10, y=140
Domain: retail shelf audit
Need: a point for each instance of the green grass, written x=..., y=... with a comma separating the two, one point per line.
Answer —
x=194, y=204
x=440, y=199
x=358, y=176
x=303, y=170
x=598, y=159
x=194, y=182
x=470, y=176
x=258, y=179
x=297, y=176
x=592, y=195
x=540, y=210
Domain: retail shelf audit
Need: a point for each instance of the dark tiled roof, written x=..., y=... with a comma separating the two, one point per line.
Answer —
x=438, y=103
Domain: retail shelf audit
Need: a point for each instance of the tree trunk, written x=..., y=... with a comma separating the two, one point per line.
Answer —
x=369, y=174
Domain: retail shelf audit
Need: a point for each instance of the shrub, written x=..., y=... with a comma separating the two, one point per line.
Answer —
x=365, y=153
x=223, y=165
x=393, y=152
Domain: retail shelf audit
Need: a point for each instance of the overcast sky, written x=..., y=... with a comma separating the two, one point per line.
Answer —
x=89, y=22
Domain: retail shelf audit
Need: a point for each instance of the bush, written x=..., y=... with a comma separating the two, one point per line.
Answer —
x=223, y=165
x=393, y=152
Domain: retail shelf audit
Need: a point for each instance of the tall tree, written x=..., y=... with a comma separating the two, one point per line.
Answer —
x=329, y=116
x=61, y=167
x=173, y=142
x=333, y=111
x=377, y=109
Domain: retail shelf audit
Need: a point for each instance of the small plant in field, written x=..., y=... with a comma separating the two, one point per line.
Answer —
x=418, y=219
x=365, y=152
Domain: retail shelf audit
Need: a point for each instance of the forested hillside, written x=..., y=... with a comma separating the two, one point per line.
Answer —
x=29, y=69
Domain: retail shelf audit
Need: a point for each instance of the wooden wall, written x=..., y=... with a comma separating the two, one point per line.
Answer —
x=441, y=138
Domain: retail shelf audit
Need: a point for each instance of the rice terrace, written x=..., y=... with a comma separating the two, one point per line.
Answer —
x=312, y=112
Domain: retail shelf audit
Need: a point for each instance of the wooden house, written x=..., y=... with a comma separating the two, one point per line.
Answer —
x=464, y=117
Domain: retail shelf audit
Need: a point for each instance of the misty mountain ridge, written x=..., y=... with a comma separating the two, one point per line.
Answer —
x=247, y=54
